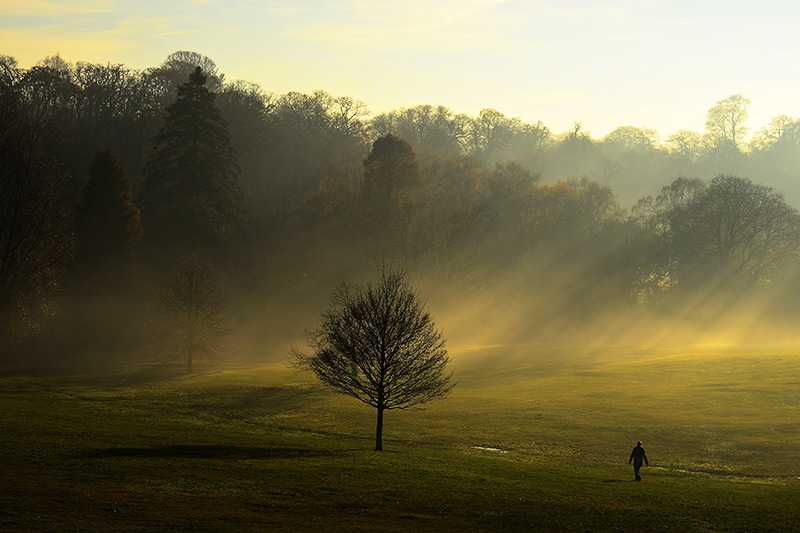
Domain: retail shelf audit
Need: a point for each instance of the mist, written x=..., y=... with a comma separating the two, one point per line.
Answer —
x=515, y=234
x=480, y=265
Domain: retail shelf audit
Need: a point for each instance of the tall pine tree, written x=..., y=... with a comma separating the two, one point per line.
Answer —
x=103, y=303
x=108, y=221
x=191, y=196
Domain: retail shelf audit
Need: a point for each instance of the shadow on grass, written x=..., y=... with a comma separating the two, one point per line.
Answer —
x=619, y=481
x=65, y=377
x=215, y=452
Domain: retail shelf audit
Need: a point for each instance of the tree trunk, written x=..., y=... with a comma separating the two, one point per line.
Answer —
x=190, y=349
x=379, y=431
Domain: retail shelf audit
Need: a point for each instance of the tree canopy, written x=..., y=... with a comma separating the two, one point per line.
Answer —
x=286, y=194
x=380, y=346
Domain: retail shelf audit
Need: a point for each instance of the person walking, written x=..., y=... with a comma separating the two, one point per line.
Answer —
x=638, y=456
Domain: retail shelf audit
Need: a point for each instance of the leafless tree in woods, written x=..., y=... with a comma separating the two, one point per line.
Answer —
x=36, y=231
x=379, y=345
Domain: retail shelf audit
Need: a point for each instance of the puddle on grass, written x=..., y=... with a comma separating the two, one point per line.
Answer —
x=721, y=474
x=700, y=472
x=490, y=449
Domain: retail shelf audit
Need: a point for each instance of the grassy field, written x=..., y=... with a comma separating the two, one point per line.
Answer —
x=266, y=449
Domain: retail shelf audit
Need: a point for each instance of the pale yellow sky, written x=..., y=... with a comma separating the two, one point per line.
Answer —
x=605, y=63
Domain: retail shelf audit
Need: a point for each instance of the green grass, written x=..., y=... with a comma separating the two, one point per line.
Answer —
x=266, y=449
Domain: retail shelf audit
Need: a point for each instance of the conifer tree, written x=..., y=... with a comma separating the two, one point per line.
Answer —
x=101, y=287
x=108, y=222
x=191, y=194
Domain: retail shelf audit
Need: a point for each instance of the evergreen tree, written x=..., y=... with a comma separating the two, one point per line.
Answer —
x=108, y=222
x=191, y=194
x=102, y=293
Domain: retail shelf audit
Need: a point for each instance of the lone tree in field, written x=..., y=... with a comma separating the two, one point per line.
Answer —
x=194, y=299
x=379, y=345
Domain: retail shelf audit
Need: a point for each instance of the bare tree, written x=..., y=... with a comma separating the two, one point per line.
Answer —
x=725, y=121
x=686, y=144
x=194, y=299
x=379, y=345
x=36, y=230
x=632, y=138
x=179, y=65
x=771, y=134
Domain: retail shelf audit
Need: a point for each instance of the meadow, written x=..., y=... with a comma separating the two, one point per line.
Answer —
x=531, y=439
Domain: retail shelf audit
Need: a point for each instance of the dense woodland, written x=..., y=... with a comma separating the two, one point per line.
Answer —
x=149, y=214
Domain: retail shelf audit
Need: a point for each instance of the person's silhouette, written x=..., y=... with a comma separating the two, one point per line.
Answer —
x=638, y=456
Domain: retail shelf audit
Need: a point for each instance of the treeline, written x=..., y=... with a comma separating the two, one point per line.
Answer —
x=133, y=201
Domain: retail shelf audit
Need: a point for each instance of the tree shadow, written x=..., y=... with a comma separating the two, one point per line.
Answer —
x=214, y=452
x=64, y=377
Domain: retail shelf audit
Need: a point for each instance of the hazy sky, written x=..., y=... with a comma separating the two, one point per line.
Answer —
x=657, y=64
